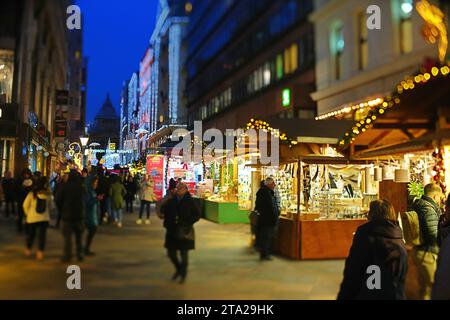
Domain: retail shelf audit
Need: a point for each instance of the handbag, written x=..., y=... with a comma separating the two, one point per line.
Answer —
x=184, y=233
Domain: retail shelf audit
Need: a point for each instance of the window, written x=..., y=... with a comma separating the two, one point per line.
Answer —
x=363, y=49
x=294, y=57
x=266, y=74
x=406, y=28
x=338, y=47
x=279, y=66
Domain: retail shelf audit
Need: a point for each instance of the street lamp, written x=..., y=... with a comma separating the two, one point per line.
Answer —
x=84, y=142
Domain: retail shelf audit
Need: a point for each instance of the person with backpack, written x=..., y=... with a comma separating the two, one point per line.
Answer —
x=379, y=243
x=25, y=185
x=37, y=212
x=180, y=214
x=425, y=254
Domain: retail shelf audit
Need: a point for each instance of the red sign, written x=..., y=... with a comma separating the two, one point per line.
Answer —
x=155, y=169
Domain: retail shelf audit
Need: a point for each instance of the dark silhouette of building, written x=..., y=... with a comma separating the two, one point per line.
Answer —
x=106, y=126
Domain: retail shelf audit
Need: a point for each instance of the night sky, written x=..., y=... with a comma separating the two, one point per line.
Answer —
x=116, y=34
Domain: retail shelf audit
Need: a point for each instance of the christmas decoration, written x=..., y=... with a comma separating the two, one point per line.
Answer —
x=439, y=168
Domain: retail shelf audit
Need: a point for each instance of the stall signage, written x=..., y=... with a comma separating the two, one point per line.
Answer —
x=155, y=168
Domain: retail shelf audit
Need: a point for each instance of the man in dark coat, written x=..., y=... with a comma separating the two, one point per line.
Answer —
x=72, y=199
x=425, y=255
x=267, y=207
x=180, y=213
x=377, y=264
x=9, y=190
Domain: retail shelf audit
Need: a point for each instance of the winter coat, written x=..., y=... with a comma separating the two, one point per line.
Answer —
x=117, y=192
x=267, y=207
x=25, y=187
x=91, y=207
x=429, y=213
x=148, y=191
x=379, y=243
x=30, y=205
x=179, y=212
x=130, y=187
x=441, y=287
x=72, y=201
x=9, y=189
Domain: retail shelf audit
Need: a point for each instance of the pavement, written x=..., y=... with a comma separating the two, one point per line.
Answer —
x=131, y=263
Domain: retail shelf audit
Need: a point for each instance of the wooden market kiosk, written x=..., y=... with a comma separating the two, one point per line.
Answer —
x=320, y=209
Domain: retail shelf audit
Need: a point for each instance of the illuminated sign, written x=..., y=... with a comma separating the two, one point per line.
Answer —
x=286, y=97
x=112, y=146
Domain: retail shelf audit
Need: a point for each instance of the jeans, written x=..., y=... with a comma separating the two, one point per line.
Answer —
x=144, y=203
x=264, y=240
x=68, y=229
x=105, y=206
x=117, y=214
x=426, y=263
x=129, y=205
x=41, y=229
x=90, y=236
x=180, y=265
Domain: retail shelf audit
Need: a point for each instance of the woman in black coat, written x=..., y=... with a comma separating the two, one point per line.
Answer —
x=180, y=213
x=377, y=264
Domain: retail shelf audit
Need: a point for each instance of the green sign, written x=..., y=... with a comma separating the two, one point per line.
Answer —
x=286, y=97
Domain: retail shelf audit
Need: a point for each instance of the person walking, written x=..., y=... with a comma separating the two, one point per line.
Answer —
x=36, y=208
x=9, y=191
x=92, y=200
x=379, y=242
x=130, y=187
x=25, y=186
x=58, y=187
x=72, y=198
x=117, y=194
x=425, y=255
x=441, y=287
x=104, y=191
x=180, y=214
x=147, y=198
x=267, y=207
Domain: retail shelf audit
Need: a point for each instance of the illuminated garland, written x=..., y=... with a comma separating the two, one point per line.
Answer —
x=439, y=168
x=348, y=109
x=265, y=126
x=410, y=83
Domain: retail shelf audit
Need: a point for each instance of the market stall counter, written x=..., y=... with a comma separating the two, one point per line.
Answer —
x=308, y=238
x=225, y=212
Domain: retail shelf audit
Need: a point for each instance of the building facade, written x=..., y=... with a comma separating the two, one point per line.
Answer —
x=34, y=63
x=248, y=58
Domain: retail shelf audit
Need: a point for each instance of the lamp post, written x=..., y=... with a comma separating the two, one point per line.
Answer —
x=84, y=142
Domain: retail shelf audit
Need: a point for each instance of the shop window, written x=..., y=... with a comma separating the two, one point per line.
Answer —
x=266, y=74
x=294, y=57
x=6, y=75
x=363, y=49
x=406, y=27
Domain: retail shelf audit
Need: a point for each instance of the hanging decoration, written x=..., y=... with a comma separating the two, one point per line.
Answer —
x=409, y=83
x=265, y=126
x=439, y=168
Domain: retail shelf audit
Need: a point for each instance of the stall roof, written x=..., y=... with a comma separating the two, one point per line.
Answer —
x=312, y=131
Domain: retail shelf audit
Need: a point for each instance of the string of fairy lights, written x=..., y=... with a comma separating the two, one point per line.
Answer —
x=408, y=84
x=266, y=127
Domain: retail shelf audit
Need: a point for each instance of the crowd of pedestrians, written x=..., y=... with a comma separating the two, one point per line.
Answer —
x=84, y=200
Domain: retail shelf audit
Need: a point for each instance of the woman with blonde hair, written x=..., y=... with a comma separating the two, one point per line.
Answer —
x=377, y=263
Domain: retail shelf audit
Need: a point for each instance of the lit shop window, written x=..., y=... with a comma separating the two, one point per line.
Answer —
x=266, y=74
x=6, y=75
x=291, y=59
x=338, y=45
x=363, y=49
x=279, y=66
x=406, y=27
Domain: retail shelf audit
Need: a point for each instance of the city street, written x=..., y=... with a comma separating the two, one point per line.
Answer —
x=131, y=264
